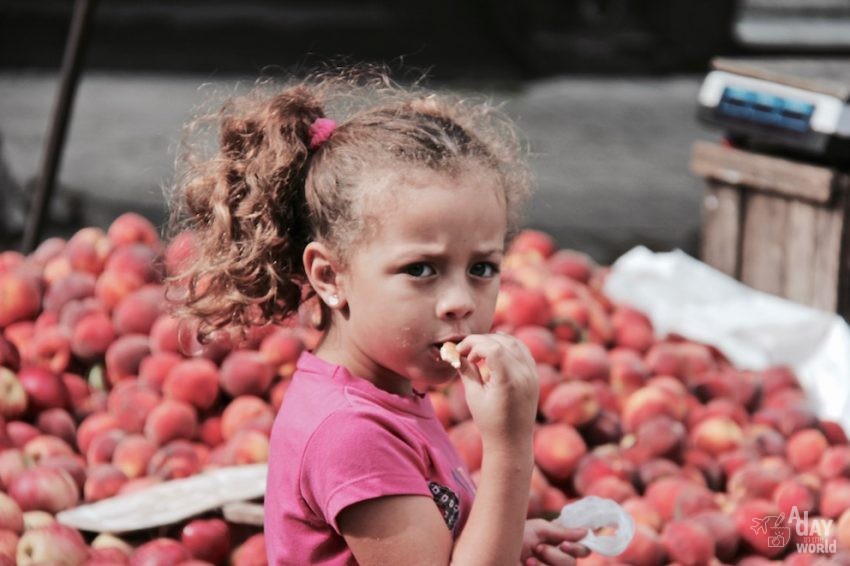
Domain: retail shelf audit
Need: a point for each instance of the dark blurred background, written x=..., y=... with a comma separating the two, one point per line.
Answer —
x=604, y=90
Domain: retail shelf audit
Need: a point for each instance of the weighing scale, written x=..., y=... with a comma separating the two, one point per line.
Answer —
x=792, y=106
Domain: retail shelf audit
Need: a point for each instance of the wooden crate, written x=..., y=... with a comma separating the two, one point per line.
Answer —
x=777, y=225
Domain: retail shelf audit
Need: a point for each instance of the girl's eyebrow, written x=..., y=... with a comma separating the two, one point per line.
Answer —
x=432, y=254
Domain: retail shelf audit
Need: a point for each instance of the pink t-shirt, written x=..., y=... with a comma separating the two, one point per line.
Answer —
x=338, y=439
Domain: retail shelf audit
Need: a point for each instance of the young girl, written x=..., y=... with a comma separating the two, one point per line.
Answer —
x=395, y=217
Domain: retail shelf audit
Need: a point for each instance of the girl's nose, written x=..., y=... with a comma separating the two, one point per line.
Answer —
x=456, y=303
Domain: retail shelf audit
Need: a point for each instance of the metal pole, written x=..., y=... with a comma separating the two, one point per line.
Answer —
x=71, y=63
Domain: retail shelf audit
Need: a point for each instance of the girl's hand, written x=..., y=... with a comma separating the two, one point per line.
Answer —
x=504, y=406
x=552, y=544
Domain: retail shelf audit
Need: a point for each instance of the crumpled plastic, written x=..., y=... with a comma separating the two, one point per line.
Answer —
x=754, y=330
x=594, y=512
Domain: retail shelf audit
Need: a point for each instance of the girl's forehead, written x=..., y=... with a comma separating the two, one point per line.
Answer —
x=441, y=210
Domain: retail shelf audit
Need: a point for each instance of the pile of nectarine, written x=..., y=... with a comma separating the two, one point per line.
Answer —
x=103, y=392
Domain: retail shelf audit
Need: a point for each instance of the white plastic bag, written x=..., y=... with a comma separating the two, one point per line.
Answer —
x=595, y=512
x=753, y=329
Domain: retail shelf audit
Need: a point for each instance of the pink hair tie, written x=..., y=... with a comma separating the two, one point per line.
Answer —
x=320, y=131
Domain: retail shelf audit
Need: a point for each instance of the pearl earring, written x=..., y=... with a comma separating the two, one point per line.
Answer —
x=333, y=300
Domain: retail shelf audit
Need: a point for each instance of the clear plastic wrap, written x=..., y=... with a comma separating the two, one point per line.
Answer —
x=596, y=512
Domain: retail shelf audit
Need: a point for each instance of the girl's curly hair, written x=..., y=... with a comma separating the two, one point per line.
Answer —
x=256, y=198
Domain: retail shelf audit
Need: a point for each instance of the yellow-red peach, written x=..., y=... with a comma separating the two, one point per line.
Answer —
x=526, y=306
x=45, y=445
x=558, y=449
x=533, y=241
x=716, y=435
x=643, y=513
x=835, y=462
x=834, y=433
x=154, y=368
x=113, y=285
x=132, y=228
x=20, y=297
x=50, y=349
x=283, y=346
x=171, y=420
x=164, y=334
x=763, y=541
x=124, y=356
x=688, y=542
x=835, y=497
x=466, y=439
x=632, y=329
x=74, y=464
x=45, y=389
x=102, y=446
x=648, y=402
x=130, y=402
x=44, y=489
x=587, y=361
x=210, y=431
x=758, y=479
x=251, y=552
x=177, y=459
x=805, y=449
x=92, y=336
x=20, y=432
x=11, y=515
x=88, y=249
x=793, y=493
x=249, y=447
x=245, y=411
x=132, y=455
x=103, y=480
x=573, y=402
x=245, y=372
x=677, y=498
x=194, y=381
x=161, y=551
x=93, y=425
x=136, y=313
x=540, y=342
x=611, y=487
x=13, y=397
x=662, y=436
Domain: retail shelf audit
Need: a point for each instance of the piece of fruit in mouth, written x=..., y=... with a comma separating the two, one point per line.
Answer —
x=449, y=353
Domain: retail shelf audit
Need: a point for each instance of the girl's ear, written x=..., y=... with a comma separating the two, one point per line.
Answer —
x=323, y=274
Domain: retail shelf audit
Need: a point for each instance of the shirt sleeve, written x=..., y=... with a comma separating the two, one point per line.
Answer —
x=352, y=457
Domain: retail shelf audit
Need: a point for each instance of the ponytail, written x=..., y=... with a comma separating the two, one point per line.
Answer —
x=247, y=208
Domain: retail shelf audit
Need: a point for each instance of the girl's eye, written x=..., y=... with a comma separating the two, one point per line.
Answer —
x=490, y=269
x=419, y=270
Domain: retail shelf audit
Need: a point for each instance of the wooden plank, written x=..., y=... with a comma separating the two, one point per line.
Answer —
x=762, y=250
x=169, y=502
x=763, y=173
x=721, y=228
x=800, y=248
x=844, y=255
x=828, y=232
x=826, y=76
x=244, y=513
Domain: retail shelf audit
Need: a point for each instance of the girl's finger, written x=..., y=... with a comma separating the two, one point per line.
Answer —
x=484, y=348
x=574, y=549
x=556, y=533
x=553, y=556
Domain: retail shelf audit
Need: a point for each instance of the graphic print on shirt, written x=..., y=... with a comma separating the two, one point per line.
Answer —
x=447, y=502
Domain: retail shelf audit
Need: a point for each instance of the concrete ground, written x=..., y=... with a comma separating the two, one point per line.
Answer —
x=610, y=155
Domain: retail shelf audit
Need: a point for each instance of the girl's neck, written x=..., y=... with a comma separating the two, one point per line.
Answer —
x=333, y=349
